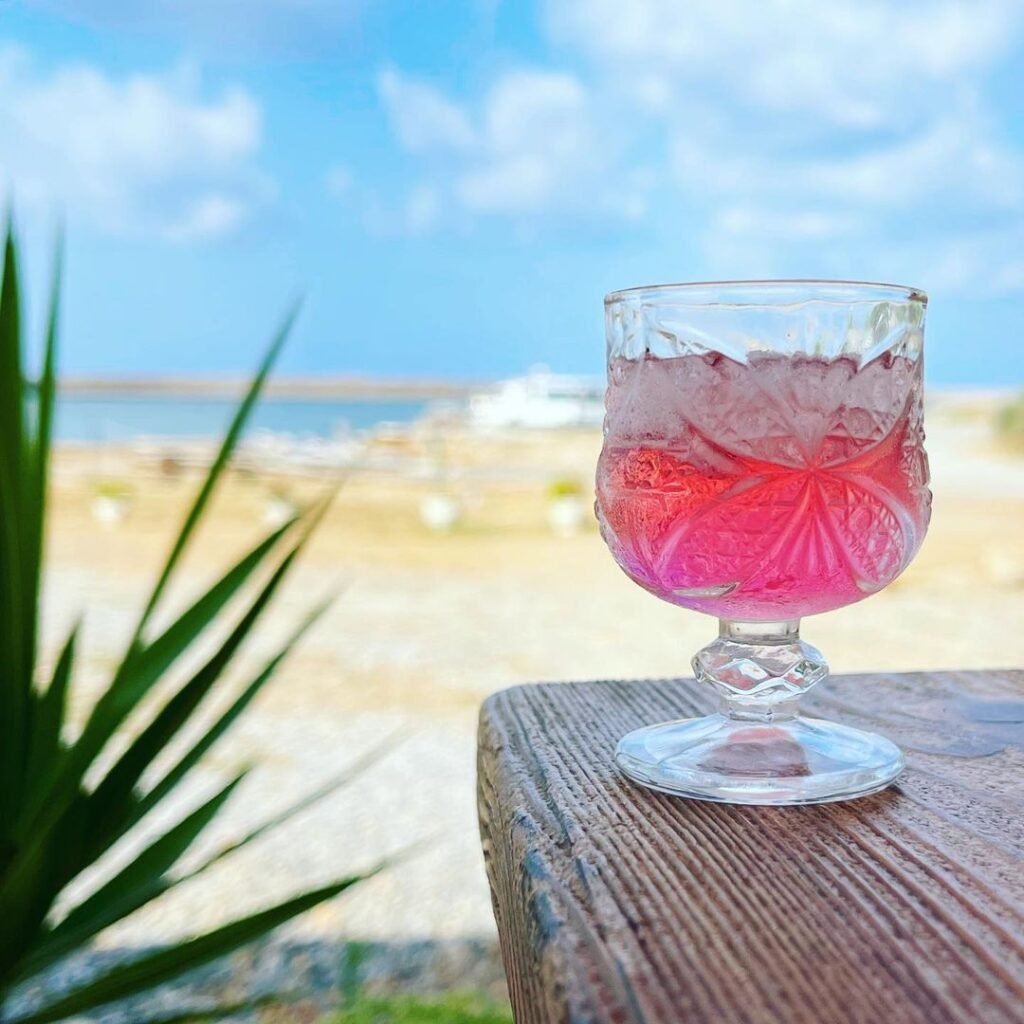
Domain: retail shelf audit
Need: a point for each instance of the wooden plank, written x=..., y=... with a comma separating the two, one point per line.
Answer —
x=621, y=905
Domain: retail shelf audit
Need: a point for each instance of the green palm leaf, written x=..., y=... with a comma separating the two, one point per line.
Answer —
x=75, y=827
x=37, y=469
x=167, y=964
x=227, y=448
x=195, y=753
x=14, y=691
x=142, y=668
x=48, y=711
x=52, y=825
x=131, y=888
x=114, y=793
x=340, y=781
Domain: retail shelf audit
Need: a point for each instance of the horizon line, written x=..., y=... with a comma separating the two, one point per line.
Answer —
x=363, y=386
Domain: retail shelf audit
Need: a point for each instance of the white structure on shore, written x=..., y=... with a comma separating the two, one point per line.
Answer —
x=541, y=400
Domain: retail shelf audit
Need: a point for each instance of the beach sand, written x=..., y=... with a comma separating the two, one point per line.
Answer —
x=428, y=624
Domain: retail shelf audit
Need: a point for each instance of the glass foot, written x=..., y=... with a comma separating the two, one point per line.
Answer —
x=732, y=760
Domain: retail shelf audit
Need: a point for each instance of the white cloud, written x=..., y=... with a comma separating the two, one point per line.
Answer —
x=527, y=147
x=954, y=156
x=141, y=154
x=918, y=208
x=540, y=110
x=515, y=183
x=810, y=225
x=853, y=62
x=980, y=261
x=950, y=157
x=854, y=137
x=420, y=116
x=850, y=137
x=208, y=216
x=539, y=144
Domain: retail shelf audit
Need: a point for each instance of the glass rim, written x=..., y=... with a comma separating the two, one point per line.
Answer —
x=769, y=292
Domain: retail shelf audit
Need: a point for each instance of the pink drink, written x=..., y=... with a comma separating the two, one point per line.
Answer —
x=769, y=490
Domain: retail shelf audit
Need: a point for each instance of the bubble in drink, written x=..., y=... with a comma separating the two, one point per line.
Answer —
x=771, y=489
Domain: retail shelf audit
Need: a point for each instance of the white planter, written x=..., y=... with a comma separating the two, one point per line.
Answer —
x=277, y=512
x=440, y=512
x=566, y=516
x=108, y=510
x=1004, y=568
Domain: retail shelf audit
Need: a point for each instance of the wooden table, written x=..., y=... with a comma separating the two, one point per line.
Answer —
x=618, y=904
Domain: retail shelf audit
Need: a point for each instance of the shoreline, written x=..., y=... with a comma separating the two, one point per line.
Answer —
x=304, y=388
x=370, y=389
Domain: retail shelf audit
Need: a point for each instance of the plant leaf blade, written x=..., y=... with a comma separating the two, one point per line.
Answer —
x=135, y=885
x=15, y=674
x=48, y=714
x=167, y=964
x=227, y=447
x=339, y=781
x=192, y=757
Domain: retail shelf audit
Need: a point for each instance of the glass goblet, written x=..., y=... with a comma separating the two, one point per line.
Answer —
x=763, y=460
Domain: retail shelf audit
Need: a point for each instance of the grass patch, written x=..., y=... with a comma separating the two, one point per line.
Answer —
x=453, y=1008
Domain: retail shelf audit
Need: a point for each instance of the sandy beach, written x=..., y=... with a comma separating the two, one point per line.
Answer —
x=427, y=624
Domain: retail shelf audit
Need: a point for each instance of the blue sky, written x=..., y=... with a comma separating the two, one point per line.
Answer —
x=455, y=185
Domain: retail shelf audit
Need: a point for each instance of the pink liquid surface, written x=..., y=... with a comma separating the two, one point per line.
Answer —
x=772, y=489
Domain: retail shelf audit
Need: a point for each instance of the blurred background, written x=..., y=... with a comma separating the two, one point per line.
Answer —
x=453, y=187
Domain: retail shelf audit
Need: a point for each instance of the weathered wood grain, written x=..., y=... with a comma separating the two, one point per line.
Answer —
x=621, y=905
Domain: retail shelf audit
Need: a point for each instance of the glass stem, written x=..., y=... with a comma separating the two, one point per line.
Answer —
x=760, y=669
